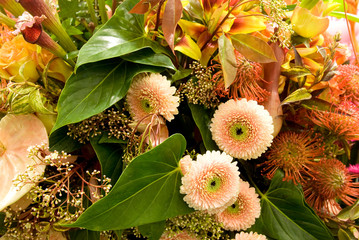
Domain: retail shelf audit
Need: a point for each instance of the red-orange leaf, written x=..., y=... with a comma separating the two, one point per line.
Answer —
x=143, y=6
x=171, y=16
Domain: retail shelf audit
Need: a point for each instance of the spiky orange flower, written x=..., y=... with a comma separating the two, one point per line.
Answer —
x=332, y=181
x=247, y=82
x=341, y=122
x=346, y=83
x=293, y=153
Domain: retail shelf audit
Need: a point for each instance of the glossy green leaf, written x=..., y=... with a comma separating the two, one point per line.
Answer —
x=181, y=74
x=146, y=192
x=285, y=215
x=253, y=48
x=350, y=212
x=153, y=231
x=124, y=33
x=202, y=118
x=96, y=87
x=296, y=71
x=106, y=139
x=110, y=157
x=171, y=15
x=83, y=234
x=296, y=96
x=60, y=141
x=342, y=235
x=227, y=59
x=148, y=57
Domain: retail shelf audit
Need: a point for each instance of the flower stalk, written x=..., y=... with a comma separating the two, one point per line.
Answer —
x=51, y=22
x=92, y=12
x=102, y=10
x=6, y=20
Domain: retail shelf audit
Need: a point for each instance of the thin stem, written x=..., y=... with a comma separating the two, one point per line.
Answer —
x=158, y=16
x=114, y=6
x=7, y=21
x=102, y=10
x=92, y=12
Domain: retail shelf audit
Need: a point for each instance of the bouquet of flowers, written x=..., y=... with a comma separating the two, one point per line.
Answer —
x=170, y=119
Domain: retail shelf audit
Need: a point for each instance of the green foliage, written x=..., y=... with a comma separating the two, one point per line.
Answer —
x=2, y=223
x=146, y=192
x=152, y=231
x=202, y=118
x=298, y=95
x=110, y=157
x=60, y=141
x=94, y=88
x=68, y=8
x=285, y=215
x=83, y=234
x=123, y=34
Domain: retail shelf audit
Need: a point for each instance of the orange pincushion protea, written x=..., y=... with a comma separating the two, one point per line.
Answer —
x=247, y=81
x=293, y=153
x=332, y=181
x=346, y=83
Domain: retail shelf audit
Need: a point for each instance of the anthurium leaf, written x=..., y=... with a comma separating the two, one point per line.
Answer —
x=146, y=192
x=83, y=234
x=94, y=88
x=298, y=95
x=124, y=33
x=253, y=48
x=227, y=59
x=148, y=57
x=152, y=231
x=285, y=215
x=202, y=118
x=171, y=15
x=60, y=141
x=110, y=157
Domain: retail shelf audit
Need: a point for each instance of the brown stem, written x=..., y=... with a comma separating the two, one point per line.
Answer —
x=158, y=17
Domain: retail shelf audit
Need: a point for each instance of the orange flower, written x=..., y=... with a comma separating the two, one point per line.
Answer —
x=332, y=181
x=293, y=153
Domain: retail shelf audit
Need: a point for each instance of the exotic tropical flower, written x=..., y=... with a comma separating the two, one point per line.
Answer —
x=17, y=134
x=293, y=153
x=243, y=212
x=346, y=83
x=342, y=122
x=332, y=181
x=249, y=236
x=211, y=183
x=183, y=235
x=5, y=34
x=152, y=94
x=246, y=83
x=243, y=129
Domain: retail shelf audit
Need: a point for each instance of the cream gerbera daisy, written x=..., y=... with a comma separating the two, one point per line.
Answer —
x=250, y=236
x=243, y=212
x=243, y=129
x=152, y=94
x=211, y=183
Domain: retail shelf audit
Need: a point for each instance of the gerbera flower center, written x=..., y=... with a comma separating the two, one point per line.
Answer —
x=146, y=105
x=239, y=131
x=214, y=184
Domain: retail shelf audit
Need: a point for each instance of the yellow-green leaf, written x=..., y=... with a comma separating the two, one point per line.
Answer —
x=227, y=59
x=189, y=48
x=298, y=95
x=306, y=24
x=253, y=48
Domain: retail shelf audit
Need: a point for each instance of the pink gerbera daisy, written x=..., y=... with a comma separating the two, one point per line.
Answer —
x=353, y=169
x=250, y=236
x=152, y=94
x=243, y=129
x=212, y=182
x=243, y=212
x=185, y=164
